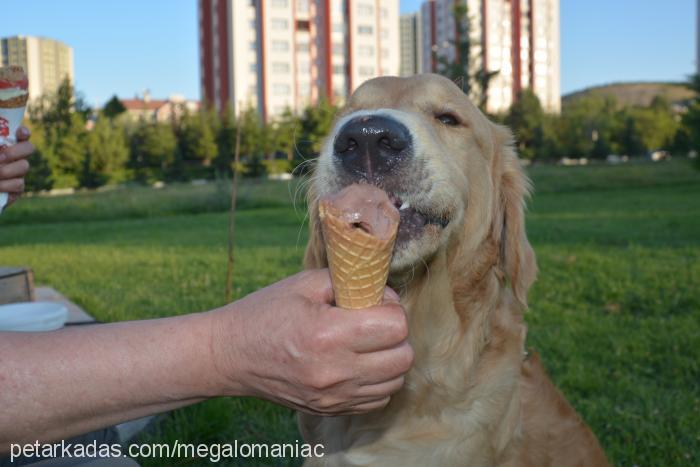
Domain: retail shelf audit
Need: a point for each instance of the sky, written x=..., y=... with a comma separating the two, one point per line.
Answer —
x=125, y=47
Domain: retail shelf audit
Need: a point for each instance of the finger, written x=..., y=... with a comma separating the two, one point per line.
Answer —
x=383, y=389
x=390, y=296
x=16, y=152
x=13, y=185
x=385, y=365
x=317, y=285
x=22, y=134
x=370, y=406
x=377, y=328
x=17, y=169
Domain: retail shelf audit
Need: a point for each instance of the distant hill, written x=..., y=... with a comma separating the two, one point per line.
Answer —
x=635, y=94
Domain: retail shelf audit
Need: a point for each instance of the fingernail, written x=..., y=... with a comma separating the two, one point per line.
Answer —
x=391, y=295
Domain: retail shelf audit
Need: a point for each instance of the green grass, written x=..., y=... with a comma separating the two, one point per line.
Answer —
x=615, y=312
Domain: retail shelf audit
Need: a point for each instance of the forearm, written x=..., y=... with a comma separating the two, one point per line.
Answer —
x=76, y=380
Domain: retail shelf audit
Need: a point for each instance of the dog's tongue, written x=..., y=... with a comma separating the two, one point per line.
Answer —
x=365, y=207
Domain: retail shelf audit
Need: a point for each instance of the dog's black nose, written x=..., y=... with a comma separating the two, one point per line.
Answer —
x=372, y=145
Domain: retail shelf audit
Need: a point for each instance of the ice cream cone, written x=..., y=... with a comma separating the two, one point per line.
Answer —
x=13, y=100
x=358, y=261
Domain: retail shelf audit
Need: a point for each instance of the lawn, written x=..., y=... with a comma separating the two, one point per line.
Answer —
x=615, y=312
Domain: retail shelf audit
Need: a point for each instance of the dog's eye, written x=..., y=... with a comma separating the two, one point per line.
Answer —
x=447, y=119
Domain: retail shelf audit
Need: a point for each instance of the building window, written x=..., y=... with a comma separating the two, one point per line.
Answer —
x=303, y=47
x=365, y=50
x=280, y=46
x=339, y=27
x=280, y=67
x=253, y=45
x=280, y=3
x=302, y=6
x=280, y=89
x=253, y=67
x=279, y=23
x=338, y=69
x=384, y=34
x=363, y=9
x=365, y=30
x=338, y=49
x=366, y=71
x=385, y=13
x=253, y=24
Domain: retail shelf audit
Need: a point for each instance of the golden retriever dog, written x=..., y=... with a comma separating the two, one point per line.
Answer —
x=462, y=265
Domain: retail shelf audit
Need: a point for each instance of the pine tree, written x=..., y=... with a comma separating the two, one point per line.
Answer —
x=61, y=118
x=113, y=108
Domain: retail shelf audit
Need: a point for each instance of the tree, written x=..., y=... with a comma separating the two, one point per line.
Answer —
x=691, y=119
x=655, y=128
x=590, y=126
x=106, y=155
x=473, y=83
x=225, y=141
x=153, y=148
x=315, y=123
x=526, y=119
x=39, y=177
x=113, y=108
x=196, y=141
x=61, y=118
x=286, y=132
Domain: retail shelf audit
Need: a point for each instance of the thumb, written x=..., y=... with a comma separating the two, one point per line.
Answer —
x=22, y=134
x=390, y=296
x=317, y=285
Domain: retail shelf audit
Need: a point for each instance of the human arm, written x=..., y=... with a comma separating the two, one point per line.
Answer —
x=284, y=343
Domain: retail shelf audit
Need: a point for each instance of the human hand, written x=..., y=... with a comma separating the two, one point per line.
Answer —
x=286, y=343
x=14, y=165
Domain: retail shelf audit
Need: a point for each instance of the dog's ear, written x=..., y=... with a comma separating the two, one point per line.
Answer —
x=315, y=255
x=516, y=259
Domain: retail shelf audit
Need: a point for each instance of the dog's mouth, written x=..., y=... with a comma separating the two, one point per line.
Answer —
x=414, y=221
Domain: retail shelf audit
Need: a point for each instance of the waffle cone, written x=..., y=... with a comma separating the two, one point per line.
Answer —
x=358, y=261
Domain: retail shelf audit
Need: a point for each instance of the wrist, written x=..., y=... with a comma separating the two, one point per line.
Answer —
x=227, y=362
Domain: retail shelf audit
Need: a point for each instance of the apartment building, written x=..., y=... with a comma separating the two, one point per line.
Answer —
x=277, y=54
x=518, y=39
x=411, y=50
x=47, y=62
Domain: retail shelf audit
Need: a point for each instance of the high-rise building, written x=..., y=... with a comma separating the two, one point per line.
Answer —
x=278, y=54
x=517, y=39
x=411, y=51
x=47, y=62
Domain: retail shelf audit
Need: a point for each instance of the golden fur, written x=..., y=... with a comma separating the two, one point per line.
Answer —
x=471, y=397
